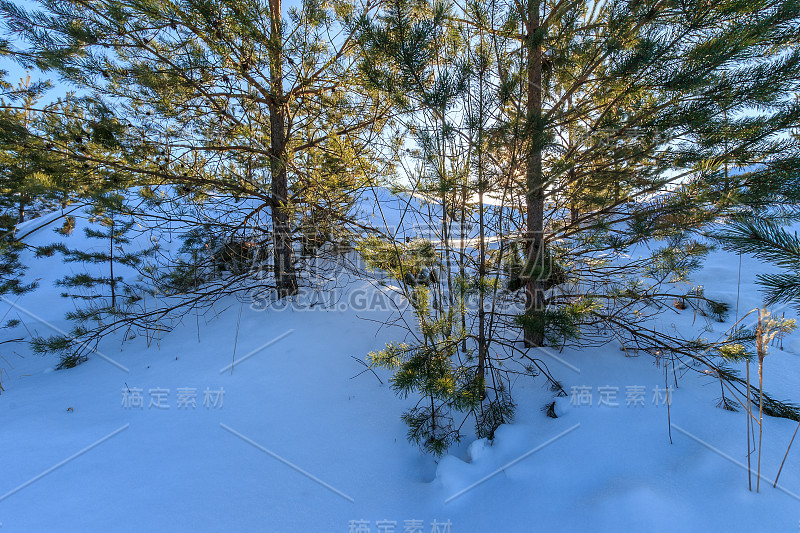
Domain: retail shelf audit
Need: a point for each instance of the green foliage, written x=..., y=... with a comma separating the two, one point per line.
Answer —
x=611, y=126
x=410, y=262
x=445, y=387
x=772, y=406
x=734, y=352
x=520, y=269
x=677, y=260
x=718, y=310
x=239, y=256
x=70, y=360
x=428, y=369
x=767, y=240
x=240, y=100
x=181, y=278
x=207, y=254
x=104, y=292
x=563, y=323
x=61, y=345
x=56, y=343
x=493, y=414
x=11, y=269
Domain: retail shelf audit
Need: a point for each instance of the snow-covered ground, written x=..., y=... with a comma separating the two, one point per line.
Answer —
x=289, y=440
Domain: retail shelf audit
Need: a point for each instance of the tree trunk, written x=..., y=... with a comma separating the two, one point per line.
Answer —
x=481, y=246
x=534, y=288
x=446, y=233
x=481, y=287
x=111, y=266
x=283, y=254
x=462, y=270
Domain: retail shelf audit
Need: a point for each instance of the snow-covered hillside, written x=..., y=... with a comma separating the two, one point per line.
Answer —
x=296, y=437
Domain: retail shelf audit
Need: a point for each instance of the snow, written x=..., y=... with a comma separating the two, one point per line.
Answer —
x=297, y=442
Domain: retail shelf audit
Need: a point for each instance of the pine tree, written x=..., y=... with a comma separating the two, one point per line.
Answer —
x=768, y=193
x=225, y=97
x=612, y=126
x=25, y=174
x=767, y=240
x=426, y=367
x=113, y=229
x=102, y=286
x=25, y=159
